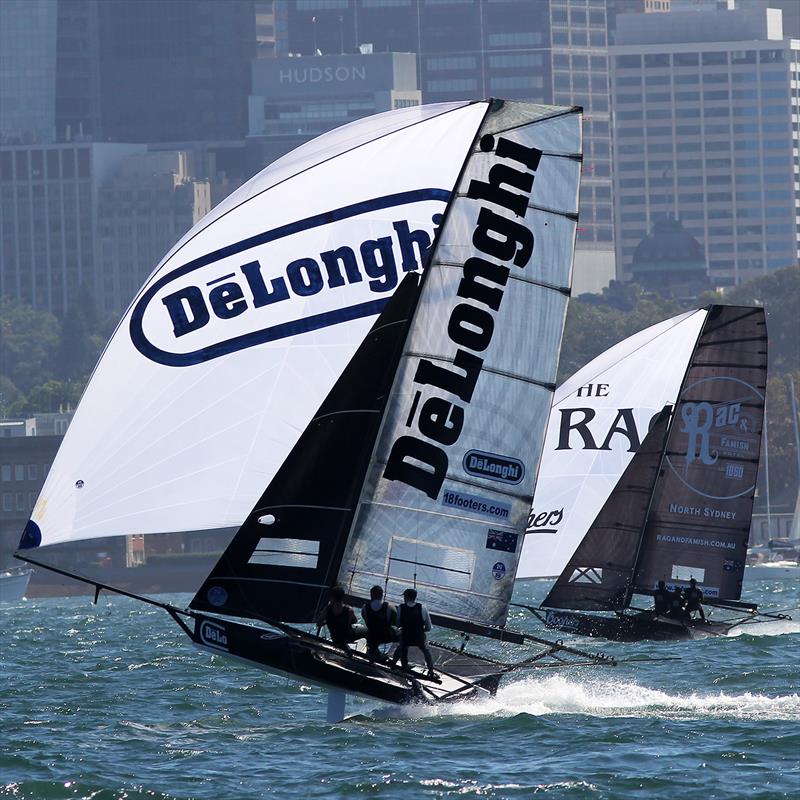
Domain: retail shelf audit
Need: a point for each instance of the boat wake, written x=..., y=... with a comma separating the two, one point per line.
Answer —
x=776, y=628
x=608, y=698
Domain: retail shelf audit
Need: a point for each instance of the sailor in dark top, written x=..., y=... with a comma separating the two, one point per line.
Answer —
x=676, y=607
x=694, y=599
x=414, y=623
x=340, y=619
x=661, y=599
x=380, y=618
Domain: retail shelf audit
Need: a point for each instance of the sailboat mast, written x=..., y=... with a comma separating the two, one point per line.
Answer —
x=643, y=528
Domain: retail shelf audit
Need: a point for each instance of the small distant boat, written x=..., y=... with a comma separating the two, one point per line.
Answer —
x=14, y=584
x=683, y=506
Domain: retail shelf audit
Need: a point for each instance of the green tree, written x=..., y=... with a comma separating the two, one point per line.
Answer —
x=28, y=340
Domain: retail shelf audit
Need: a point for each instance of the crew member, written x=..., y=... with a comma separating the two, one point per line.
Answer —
x=380, y=618
x=694, y=599
x=661, y=599
x=414, y=622
x=340, y=619
x=676, y=607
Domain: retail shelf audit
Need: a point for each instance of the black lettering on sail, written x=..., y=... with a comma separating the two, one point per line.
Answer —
x=418, y=464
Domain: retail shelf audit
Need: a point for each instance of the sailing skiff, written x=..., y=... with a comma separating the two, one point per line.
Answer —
x=337, y=361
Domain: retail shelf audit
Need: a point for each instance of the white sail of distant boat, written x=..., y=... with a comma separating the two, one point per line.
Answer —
x=599, y=417
x=285, y=369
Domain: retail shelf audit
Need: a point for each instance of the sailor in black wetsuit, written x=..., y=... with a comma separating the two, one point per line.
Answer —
x=414, y=622
x=340, y=619
x=380, y=618
x=661, y=599
x=694, y=599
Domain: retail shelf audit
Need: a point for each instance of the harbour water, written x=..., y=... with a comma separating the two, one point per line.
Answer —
x=110, y=701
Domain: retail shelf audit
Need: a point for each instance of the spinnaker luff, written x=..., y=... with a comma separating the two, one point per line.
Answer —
x=286, y=369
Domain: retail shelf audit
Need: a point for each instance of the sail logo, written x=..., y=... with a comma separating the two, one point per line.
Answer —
x=544, y=521
x=304, y=276
x=707, y=430
x=497, y=468
x=420, y=458
x=213, y=635
x=577, y=421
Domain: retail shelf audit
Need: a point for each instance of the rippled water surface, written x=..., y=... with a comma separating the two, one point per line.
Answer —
x=110, y=701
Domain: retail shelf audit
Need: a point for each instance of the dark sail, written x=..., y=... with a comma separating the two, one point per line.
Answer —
x=599, y=574
x=699, y=520
x=286, y=554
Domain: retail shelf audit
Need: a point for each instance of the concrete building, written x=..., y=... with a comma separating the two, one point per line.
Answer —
x=27, y=78
x=144, y=207
x=125, y=70
x=296, y=99
x=99, y=216
x=24, y=464
x=544, y=51
x=704, y=134
x=48, y=219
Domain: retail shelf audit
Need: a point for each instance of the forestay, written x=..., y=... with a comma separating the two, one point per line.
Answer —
x=699, y=521
x=447, y=495
x=240, y=333
x=599, y=418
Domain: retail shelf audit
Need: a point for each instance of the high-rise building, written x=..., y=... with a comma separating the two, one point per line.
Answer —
x=125, y=70
x=48, y=218
x=93, y=216
x=175, y=70
x=579, y=32
x=544, y=51
x=296, y=99
x=28, y=70
x=704, y=133
x=144, y=207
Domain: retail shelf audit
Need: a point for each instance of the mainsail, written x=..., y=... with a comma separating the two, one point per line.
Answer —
x=683, y=507
x=447, y=494
x=599, y=417
x=699, y=521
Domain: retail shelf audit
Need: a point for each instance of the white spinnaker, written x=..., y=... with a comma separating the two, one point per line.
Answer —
x=625, y=387
x=460, y=546
x=168, y=440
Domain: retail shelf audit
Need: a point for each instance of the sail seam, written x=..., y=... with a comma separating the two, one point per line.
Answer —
x=549, y=385
x=570, y=215
x=566, y=113
x=521, y=278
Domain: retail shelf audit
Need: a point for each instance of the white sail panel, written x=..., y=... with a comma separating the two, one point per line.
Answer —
x=238, y=336
x=447, y=496
x=600, y=415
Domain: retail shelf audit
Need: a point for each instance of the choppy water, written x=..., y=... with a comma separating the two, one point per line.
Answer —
x=110, y=701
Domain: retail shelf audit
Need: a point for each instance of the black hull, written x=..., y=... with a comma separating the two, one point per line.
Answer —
x=633, y=627
x=310, y=659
